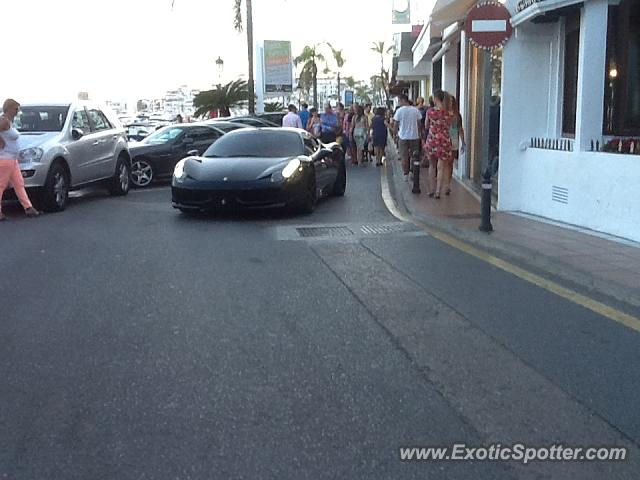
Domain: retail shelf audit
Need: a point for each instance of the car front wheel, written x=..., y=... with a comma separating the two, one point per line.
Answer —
x=141, y=173
x=56, y=189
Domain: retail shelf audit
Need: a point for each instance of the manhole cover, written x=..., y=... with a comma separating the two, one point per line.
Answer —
x=324, y=231
x=381, y=229
x=465, y=216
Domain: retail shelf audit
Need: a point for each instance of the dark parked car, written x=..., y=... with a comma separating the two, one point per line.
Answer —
x=247, y=120
x=262, y=167
x=157, y=154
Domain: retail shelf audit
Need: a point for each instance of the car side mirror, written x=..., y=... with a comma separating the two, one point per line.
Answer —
x=77, y=133
x=193, y=153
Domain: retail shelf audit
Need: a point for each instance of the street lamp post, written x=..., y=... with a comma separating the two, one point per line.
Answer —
x=220, y=65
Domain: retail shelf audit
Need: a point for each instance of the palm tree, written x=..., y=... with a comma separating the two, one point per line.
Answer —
x=224, y=98
x=309, y=58
x=339, y=59
x=273, y=106
x=380, y=49
x=237, y=24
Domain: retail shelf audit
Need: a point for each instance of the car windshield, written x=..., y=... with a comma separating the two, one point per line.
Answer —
x=164, y=135
x=257, y=143
x=35, y=118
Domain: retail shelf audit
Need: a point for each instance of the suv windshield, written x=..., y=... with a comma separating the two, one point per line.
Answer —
x=257, y=143
x=34, y=118
x=164, y=135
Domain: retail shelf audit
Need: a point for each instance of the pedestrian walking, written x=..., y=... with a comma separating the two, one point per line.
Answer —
x=347, y=140
x=292, y=119
x=304, y=114
x=380, y=132
x=314, y=125
x=9, y=168
x=368, y=144
x=438, y=144
x=406, y=129
x=359, y=131
x=456, y=133
x=330, y=126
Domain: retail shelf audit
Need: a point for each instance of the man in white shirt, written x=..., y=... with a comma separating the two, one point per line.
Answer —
x=292, y=119
x=406, y=127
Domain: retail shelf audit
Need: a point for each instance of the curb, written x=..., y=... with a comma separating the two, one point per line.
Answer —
x=511, y=252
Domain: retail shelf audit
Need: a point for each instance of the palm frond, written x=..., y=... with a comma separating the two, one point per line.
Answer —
x=237, y=15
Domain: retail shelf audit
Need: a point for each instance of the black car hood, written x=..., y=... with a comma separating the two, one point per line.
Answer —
x=144, y=149
x=235, y=169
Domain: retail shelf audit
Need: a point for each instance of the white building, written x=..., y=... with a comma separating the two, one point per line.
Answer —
x=536, y=111
x=571, y=81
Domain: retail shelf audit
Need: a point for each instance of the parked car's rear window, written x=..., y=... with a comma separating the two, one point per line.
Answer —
x=34, y=118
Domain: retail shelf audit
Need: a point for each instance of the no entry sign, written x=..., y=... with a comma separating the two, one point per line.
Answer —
x=487, y=25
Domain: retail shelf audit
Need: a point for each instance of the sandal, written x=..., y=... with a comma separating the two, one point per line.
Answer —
x=31, y=212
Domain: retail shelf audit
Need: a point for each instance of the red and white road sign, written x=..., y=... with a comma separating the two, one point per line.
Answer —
x=487, y=25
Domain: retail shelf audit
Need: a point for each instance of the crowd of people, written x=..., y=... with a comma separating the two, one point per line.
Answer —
x=360, y=130
x=432, y=132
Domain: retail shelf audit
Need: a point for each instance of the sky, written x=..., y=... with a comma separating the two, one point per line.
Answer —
x=130, y=49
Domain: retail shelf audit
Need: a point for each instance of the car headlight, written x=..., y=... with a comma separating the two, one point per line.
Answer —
x=29, y=155
x=291, y=168
x=178, y=171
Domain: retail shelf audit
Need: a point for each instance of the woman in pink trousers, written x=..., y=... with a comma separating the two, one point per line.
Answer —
x=9, y=167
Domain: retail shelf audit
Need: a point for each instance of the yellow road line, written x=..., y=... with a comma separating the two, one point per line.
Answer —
x=549, y=285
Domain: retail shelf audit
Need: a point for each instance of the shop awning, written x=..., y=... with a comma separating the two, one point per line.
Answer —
x=525, y=10
x=446, y=12
x=425, y=45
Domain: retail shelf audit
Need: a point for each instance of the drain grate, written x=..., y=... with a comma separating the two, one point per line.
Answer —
x=382, y=229
x=324, y=231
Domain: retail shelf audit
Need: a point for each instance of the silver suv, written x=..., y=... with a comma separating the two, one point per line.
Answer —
x=66, y=146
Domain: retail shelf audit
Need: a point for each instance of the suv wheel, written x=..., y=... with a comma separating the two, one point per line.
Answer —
x=56, y=189
x=119, y=183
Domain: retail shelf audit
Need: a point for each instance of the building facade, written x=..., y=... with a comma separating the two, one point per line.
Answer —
x=554, y=115
x=570, y=122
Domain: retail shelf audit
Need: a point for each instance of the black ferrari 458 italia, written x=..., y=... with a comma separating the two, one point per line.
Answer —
x=264, y=167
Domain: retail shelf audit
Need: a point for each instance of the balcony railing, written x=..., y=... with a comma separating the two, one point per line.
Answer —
x=560, y=144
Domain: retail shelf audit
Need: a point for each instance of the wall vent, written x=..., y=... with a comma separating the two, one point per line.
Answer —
x=559, y=194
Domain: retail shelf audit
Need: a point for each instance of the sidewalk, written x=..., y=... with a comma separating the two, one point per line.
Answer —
x=593, y=262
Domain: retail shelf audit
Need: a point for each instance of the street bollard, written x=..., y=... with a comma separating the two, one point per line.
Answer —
x=485, y=205
x=416, y=172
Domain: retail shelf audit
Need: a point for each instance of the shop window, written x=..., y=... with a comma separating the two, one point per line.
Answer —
x=571, y=52
x=622, y=73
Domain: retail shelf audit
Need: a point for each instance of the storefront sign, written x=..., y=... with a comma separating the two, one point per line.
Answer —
x=487, y=25
x=277, y=66
x=401, y=12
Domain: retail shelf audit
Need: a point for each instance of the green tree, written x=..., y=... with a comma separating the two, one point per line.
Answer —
x=309, y=59
x=233, y=94
x=339, y=61
x=237, y=24
x=381, y=50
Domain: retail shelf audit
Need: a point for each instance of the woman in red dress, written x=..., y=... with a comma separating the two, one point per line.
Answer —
x=438, y=143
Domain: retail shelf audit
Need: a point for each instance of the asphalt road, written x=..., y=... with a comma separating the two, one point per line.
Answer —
x=138, y=343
